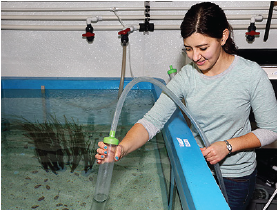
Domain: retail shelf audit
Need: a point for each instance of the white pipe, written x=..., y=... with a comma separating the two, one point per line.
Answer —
x=72, y=17
x=61, y=27
x=71, y=9
x=110, y=27
x=120, y=9
x=113, y=17
x=234, y=26
x=258, y=26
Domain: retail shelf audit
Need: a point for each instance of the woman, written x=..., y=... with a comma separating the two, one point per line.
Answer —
x=219, y=88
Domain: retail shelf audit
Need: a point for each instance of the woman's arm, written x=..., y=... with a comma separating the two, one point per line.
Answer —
x=152, y=122
x=218, y=150
x=136, y=137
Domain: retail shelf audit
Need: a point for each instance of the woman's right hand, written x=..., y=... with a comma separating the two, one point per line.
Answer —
x=102, y=152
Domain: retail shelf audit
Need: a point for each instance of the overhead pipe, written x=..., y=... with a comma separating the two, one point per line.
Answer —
x=119, y=9
x=59, y=27
x=258, y=26
x=109, y=27
x=112, y=17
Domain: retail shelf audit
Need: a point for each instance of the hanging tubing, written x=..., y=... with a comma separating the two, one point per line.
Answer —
x=178, y=102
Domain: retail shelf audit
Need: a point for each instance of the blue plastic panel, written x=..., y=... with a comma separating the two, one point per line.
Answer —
x=196, y=185
x=67, y=83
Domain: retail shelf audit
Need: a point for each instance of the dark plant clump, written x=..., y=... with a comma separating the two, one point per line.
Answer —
x=55, y=141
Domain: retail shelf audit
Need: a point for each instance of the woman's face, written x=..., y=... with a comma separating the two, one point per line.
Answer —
x=204, y=51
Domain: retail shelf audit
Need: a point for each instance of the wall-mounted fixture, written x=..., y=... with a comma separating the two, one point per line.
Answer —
x=124, y=34
x=146, y=26
x=250, y=35
x=89, y=35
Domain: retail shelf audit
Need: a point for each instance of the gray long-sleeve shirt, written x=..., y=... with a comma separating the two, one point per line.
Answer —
x=221, y=105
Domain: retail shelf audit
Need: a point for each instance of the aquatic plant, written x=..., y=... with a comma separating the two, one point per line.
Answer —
x=55, y=141
x=79, y=147
x=44, y=141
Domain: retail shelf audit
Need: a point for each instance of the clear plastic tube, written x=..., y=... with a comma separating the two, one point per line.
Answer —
x=104, y=175
x=180, y=105
x=123, y=69
x=172, y=75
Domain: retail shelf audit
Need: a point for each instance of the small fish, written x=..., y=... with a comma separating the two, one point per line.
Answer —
x=45, y=180
x=28, y=178
x=34, y=172
x=47, y=187
x=41, y=198
x=37, y=186
x=35, y=206
x=59, y=204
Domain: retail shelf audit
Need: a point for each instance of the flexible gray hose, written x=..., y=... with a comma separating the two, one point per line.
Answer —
x=123, y=69
x=180, y=105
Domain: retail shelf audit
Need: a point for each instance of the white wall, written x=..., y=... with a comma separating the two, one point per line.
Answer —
x=66, y=54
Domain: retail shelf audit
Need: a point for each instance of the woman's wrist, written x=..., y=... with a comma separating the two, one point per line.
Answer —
x=122, y=153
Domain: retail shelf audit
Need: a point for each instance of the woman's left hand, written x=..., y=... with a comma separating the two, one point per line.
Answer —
x=216, y=152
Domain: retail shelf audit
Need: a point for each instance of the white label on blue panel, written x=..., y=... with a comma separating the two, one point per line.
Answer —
x=187, y=143
x=183, y=142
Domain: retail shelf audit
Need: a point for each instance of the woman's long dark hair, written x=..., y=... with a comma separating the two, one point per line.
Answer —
x=210, y=20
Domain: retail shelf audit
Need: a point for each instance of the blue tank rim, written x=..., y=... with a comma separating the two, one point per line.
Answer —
x=69, y=83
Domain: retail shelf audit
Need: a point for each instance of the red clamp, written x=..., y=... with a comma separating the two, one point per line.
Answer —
x=88, y=34
x=124, y=32
x=252, y=33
